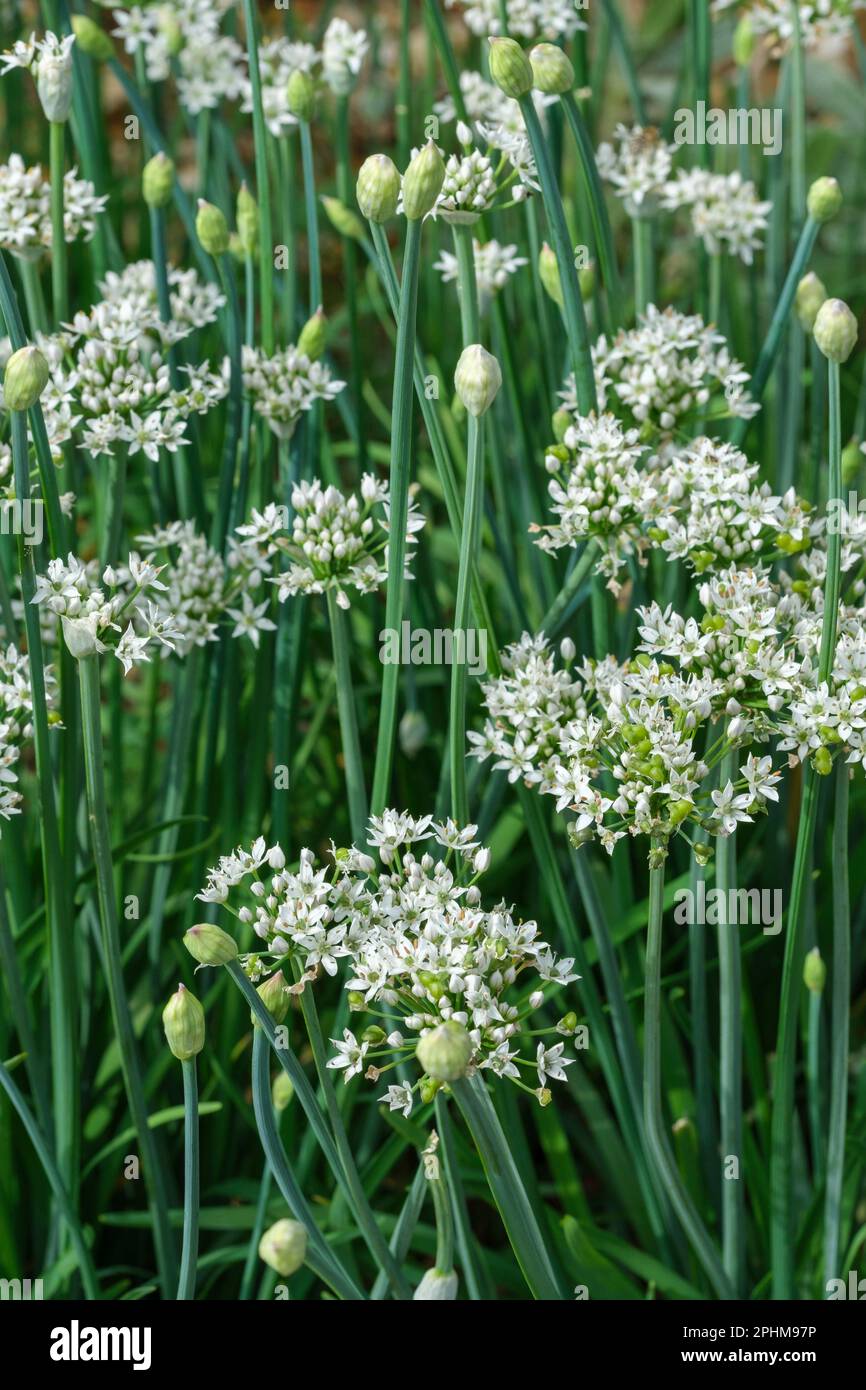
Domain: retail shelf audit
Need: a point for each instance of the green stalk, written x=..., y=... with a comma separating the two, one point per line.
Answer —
x=467, y=290
x=841, y=1015
x=575, y=319
x=798, y=119
x=641, y=229
x=312, y=217
x=350, y=275
x=401, y=465
x=234, y=336
x=444, y=1221
x=506, y=1188
x=469, y=544
x=730, y=1051
x=782, y=1126
x=354, y=762
x=263, y=190
x=658, y=1142
x=555, y=615
x=59, y=268
x=597, y=210
x=404, y=1229
x=189, y=1249
x=88, y=674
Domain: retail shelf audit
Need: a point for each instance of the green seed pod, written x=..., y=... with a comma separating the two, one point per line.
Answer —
x=25, y=379
x=552, y=72
x=679, y=811
x=92, y=38
x=835, y=330
x=157, y=180
x=210, y=945
x=510, y=68
x=247, y=219
x=822, y=762
x=824, y=199
x=852, y=461
x=743, y=44
x=422, y=182
x=427, y=1089
x=548, y=274
x=211, y=228
x=445, y=1051
x=814, y=971
x=378, y=188
x=343, y=219
x=436, y=1286
x=811, y=293
x=373, y=1035
x=568, y=1023
x=313, y=336
x=275, y=998
x=183, y=1021
x=477, y=379
x=282, y=1091
x=284, y=1246
x=301, y=95
x=357, y=1001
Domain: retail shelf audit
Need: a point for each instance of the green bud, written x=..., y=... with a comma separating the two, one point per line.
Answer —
x=373, y=1035
x=823, y=761
x=560, y=421
x=157, y=180
x=824, y=199
x=282, y=1091
x=92, y=38
x=247, y=218
x=510, y=68
x=852, y=461
x=378, y=188
x=25, y=379
x=284, y=1246
x=835, y=330
x=301, y=95
x=548, y=274
x=552, y=73
x=810, y=295
x=313, y=336
x=236, y=250
x=568, y=1023
x=679, y=811
x=427, y=1089
x=422, y=182
x=274, y=997
x=814, y=971
x=586, y=280
x=183, y=1021
x=211, y=228
x=210, y=945
x=445, y=1051
x=343, y=219
x=477, y=379
x=703, y=853
x=743, y=45
x=170, y=30
x=436, y=1286
x=357, y=1002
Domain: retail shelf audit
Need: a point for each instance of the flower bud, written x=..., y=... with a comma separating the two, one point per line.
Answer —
x=211, y=228
x=835, y=330
x=814, y=971
x=274, y=997
x=445, y=1051
x=210, y=945
x=823, y=761
x=436, y=1285
x=852, y=461
x=54, y=84
x=284, y=1246
x=92, y=38
x=824, y=199
x=413, y=732
x=247, y=219
x=477, y=379
x=25, y=379
x=183, y=1021
x=422, y=182
x=743, y=44
x=560, y=421
x=548, y=274
x=169, y=30
x=236, y=250
x=80, y=637
x=313, y=336
x=343, y=219
x=586, y=281
x=510, y=68
x=552, y=73
x=378, y=188
x=282, y=1091
x=301, y=95
x=157, y=180
x=810, y=295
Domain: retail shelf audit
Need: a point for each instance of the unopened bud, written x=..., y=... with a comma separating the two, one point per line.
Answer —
x=510, y=68
x=445, y=1051
x=54, y=85
x=852, y=461
x=301, y=95
x=25, y=379
x=560, y=422
x=814, y=971
x=313, y=336
x=247, y=218
x=422, y=182
x=824, y=199
x=211, y=228
x=343, y=219
x=183, y=1021
x=835, y=330
x=548, y=274
x=743, y=44
x=477, y=379
x=282, y=1091
x=91, y=38
x=436, y=1286
x=810, y=295
x=284, y=1246
x=274, y=996
x=168, y=27
x=210, y=945
x=378, y=188
x=552, y=72
x=157, y=180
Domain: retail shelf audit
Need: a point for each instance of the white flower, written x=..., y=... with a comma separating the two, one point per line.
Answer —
x=343, y=53
x=350, y=1055
x=550, y=1063
x=399, y=1098
x=251, y=619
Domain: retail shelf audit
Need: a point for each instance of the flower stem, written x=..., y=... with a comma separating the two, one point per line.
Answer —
x=730, y=1049
x=555, y=615
x=189, y=1249
x=469, y=543
x=263, y=190
x=641, y=229
x=59, y=268
x=841, y=1013
x=597, y=210
x=354, y=763
x=311, y=208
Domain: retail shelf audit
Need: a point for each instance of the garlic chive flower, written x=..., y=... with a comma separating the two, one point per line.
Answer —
x=114, y=615
x=16, y=727
x=824, y=24
x=527, y=19
x=49, y=61
x=285, y=385
x=725, y=210
x=637, y=166
x=343, y=53
x=279, y=57
x=494, y=266
x=25, y=209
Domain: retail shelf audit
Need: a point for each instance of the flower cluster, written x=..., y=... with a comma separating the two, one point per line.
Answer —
x=92, y=616
x=343, y=52
x=496, y=121
x=194, y=303
x=527, y=19
x=494, y=265
x=285, y=385
x=725, y=210
x=195, y=592
x=825, y=24
x=637, y=166
x=25, y=208
x=211, y=66
x=15, y=715
x=279, y=57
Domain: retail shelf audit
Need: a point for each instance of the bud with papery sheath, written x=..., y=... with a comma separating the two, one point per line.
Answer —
x=436, y=1287
x=211, y=228
x=445, y=1051
x=510, y=68
x=274, y=996
x=548, y=274
x=314, y=335
x=835, y=330
x=811, y=293
x=92, y=38
x=343, y=219
x=301, y=95
x=284, y=1246
x=378, y=188
x=422, y=182
x=54, y=82
x=25, y=379
x=477, y=379
x=210, y=945
x=552, y=72
x=183, y=1021
x=247, y=218
x=824, y=199
x=814, y=971
x=157, y=180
